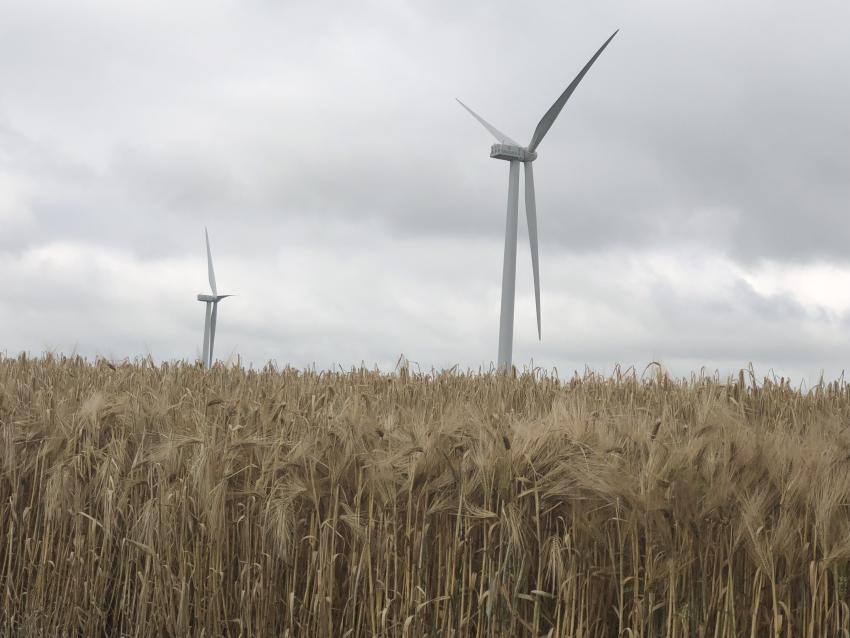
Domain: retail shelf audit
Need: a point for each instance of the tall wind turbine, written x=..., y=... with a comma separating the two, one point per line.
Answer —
x=212, y=308
x=509, y=150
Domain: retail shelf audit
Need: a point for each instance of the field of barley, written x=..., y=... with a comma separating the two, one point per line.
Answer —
x=145, y=500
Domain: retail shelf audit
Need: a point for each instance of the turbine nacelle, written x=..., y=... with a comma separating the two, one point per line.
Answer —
x=212, y=298
x=511, y=153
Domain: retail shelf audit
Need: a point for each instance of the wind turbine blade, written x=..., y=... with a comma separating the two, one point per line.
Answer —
x=212, y=330
x=210, y=270
x=206, y=354
x=531, y=217
x=504, y=139
x=549, y=118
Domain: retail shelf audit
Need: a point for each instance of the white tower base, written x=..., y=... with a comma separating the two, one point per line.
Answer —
x=506, y=320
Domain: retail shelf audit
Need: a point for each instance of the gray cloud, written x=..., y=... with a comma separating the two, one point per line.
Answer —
x=329, y=132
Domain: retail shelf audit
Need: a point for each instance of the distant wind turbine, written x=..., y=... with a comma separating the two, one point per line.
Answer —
x=509, y=150
x=212, y=308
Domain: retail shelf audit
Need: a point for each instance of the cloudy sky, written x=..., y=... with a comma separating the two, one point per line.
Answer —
x=693, y=196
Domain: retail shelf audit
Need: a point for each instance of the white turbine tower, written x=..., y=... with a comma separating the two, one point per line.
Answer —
x=212, y=309
x=509, y=150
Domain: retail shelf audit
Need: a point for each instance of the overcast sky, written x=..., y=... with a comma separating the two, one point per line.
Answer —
x=693, y=195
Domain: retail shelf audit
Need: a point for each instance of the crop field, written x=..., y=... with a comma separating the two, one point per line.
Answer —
x=145, y=500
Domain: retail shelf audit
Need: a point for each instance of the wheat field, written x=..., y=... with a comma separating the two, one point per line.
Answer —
x=145, y=500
